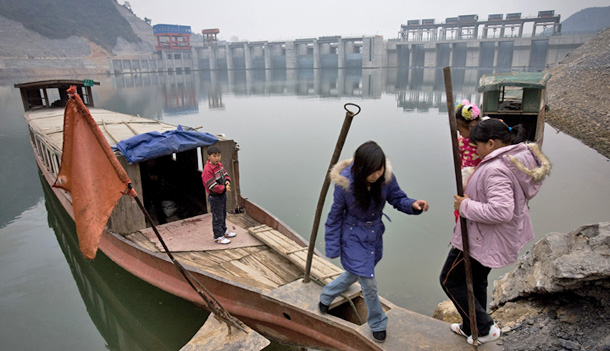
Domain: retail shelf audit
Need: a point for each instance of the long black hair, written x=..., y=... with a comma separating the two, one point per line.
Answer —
x=368, y=159
x=494, y=128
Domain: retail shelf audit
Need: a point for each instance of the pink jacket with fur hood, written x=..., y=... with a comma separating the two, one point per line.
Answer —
x=496, y=209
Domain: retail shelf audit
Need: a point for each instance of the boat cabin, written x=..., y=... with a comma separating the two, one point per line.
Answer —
x=517, y=98
x=53, y=93
x=169, y=184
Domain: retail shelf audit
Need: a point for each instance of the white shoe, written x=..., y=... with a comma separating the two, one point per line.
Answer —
x=494, y=334
x=222, y=240
x=457, y=328
x=229, y=234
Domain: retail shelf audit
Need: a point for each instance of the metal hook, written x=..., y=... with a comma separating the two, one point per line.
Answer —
x=352, y=104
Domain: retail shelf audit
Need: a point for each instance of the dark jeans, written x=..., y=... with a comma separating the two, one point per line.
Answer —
x=218, y=207
x=453, y=281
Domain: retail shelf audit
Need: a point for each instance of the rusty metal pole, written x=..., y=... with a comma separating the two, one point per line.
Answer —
x=347, y=122
x=460, y=192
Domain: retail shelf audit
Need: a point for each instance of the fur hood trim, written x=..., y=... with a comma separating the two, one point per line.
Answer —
x=537, y=173
x=336, y=173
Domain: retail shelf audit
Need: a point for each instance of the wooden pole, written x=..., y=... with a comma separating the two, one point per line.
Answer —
x=347, y=122
x=460, y=192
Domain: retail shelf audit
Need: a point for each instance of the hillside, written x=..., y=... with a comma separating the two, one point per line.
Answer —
x=589, y=19
x=578, y=91
x=64, y=28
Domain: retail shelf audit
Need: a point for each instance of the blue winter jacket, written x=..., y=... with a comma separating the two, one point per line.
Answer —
x=354, y=234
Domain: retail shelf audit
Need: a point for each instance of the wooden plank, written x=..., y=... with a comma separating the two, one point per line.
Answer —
x=243, y=220
x=215, y=335
x=286, y=247
x=139, y=239
x=217, y=269
x=252, y=272
x=249, y=276
x=259, y=267
x=205, y=256
x=273, y=266
x=263, y=270
x=321, y=269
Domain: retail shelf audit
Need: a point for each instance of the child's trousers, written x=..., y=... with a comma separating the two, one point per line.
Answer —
x=218, y=207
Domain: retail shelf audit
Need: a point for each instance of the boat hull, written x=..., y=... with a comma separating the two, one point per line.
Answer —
x=278, y=321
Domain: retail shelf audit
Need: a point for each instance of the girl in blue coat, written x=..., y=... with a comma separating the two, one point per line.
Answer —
x=354, y=228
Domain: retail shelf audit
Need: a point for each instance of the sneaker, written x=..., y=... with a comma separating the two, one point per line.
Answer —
x=379, y=336
x=222, y=240
x=229, y=234
x=494, y=334
x=457, y=328
x=323, y=308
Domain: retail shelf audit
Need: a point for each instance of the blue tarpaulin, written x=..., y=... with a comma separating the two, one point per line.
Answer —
x=154, y=144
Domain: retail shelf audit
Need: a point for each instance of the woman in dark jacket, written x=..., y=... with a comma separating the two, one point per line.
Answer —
x=354, y=228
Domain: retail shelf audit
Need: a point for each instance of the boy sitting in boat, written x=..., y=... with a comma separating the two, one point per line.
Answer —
x=217, y=182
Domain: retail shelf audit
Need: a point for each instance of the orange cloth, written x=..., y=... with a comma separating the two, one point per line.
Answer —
x=91, y=173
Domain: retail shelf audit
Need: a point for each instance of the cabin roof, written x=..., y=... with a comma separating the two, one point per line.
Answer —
x=48, y=120
x=53, y=83
x=531, y=80
x=115, y=126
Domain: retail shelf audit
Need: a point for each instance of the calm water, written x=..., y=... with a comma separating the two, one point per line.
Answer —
x=286, y=125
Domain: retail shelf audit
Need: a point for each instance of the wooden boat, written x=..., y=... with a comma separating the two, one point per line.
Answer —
x=123, y=316
x=517, y=98
x=257, y=278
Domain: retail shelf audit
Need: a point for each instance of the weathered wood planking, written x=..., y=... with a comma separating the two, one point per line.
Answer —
x=260, y=266
x=139, y=239
x=243, y=220
x=321, y=269
x=257, y=266
x=215, y=335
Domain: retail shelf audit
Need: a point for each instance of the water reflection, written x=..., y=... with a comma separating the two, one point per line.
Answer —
x=417, y=89
x=129, y=313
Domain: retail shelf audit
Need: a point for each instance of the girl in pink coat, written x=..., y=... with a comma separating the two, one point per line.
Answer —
x=497, y=216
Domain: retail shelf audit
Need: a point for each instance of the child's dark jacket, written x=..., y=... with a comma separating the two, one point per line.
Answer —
x=214, y=178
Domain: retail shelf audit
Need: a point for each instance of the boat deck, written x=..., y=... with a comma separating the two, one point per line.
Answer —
x=275, y=265
x=251, y=263
x=407, y=330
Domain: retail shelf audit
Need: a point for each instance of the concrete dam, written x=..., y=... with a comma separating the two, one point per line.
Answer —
x=498, y=43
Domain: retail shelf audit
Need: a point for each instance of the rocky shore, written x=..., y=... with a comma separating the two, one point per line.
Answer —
x=558, y=296
x=578, y=94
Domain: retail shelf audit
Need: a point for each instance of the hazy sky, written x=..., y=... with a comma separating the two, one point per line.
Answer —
x=269, y=20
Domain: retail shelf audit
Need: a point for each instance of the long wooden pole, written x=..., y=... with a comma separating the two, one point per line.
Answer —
x=460, y=192
x=347, y=122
